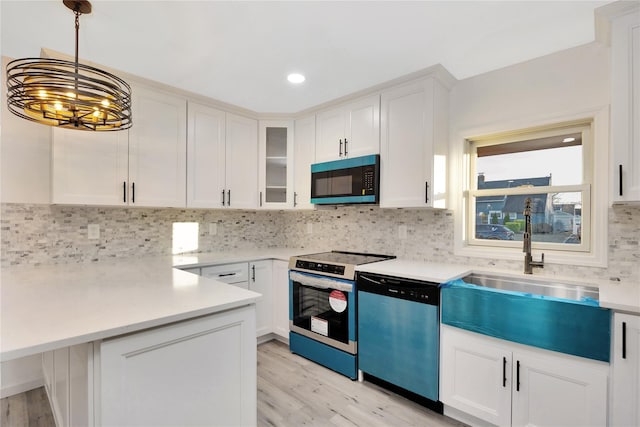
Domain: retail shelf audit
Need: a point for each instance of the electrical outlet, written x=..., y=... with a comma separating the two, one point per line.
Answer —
x=309, y=228
x=213, y=228
x=402, y=232
x=93, y=231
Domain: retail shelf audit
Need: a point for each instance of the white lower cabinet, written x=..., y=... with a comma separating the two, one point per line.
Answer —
x=280, y=299
x=625, y=367
x=497, y=382
x=193, y=373
x=260, y=281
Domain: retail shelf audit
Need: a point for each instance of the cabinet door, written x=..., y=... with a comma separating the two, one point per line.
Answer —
x=413, y=146
x=475, y=376
x=200, y=372
x=276, y=164
x=260, y=280
x=625, y=106
x=331, y=128
x=558, y=391
x=363, y=137
x=89, y=168
x=158, y=149
x=280, y=298
x=242, y=162
x=625, y=396
x=304, y=155
x=205, y=156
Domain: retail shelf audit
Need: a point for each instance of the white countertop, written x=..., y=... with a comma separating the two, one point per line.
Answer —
x=418, y=270
x=48, y=307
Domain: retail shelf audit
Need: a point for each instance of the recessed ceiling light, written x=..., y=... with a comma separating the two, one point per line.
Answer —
x=295, y=78
x=569, y=139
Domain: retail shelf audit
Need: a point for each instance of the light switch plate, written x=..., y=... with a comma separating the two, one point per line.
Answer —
x=213, y=228
x=93, y=231
x=309, y=228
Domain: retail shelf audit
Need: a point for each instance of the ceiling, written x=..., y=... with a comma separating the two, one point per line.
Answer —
x=240, y=52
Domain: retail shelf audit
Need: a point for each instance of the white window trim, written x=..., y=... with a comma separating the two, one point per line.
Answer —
x=596, y=256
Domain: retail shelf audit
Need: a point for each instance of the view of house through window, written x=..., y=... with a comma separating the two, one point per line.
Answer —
x=547, y=166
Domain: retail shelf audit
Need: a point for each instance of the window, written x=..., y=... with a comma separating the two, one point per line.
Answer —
x=549, y=166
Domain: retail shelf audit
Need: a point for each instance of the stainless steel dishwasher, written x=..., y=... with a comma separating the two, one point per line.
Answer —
x=398, y=335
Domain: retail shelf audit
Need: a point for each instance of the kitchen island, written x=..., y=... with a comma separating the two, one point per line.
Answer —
x=135, y=342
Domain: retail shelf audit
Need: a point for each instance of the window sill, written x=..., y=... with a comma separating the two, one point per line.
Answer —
x=587, y=259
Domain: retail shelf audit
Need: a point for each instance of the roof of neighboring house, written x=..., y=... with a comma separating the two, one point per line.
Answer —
x=512, y=183
x=515, y=203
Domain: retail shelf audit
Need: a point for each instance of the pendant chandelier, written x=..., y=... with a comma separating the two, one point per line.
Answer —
x=68, y=94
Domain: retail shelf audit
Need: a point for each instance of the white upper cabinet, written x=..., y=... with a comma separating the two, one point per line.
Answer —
x=205, y=156
x=350, y=130
x=241, y=162
x=413, y=145
x=89, y=168
x=625, y=105
x=222, y=159
x=158, y=149
x=276, y=164
x=144, y=166
x=304, y=155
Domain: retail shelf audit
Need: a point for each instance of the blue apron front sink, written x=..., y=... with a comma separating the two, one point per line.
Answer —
x=558, y=317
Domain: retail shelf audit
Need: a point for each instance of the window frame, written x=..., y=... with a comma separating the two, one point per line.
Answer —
x=583, y=126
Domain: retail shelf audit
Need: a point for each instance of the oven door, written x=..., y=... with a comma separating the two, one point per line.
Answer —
x=323, y=309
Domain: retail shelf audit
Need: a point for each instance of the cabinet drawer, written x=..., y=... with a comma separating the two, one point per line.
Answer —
x=228, y=273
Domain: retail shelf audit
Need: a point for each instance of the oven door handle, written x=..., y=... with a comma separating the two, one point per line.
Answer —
x=320, y=282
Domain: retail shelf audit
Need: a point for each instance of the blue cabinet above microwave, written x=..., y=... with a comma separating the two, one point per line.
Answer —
x=346, y=181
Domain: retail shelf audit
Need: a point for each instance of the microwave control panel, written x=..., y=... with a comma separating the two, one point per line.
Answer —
x=368, y=180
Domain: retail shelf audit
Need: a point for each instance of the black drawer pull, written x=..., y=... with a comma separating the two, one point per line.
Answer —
x=624, y=340
x=620, y=178
x=504, y=372
x=518, y=375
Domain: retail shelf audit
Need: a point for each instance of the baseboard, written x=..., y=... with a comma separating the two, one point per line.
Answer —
x=270, y=337
x=14, y=389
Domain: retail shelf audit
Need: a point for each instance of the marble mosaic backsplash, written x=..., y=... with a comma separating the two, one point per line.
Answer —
x=46, y=234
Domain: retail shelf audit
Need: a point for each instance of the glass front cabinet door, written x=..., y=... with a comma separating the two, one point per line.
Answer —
x=276, y=164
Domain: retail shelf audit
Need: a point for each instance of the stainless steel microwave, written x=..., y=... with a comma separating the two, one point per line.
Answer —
x=353, y=180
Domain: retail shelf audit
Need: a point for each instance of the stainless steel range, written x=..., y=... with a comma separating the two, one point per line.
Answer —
x=322, y=307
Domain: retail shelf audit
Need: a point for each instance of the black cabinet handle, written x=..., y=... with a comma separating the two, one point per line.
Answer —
x=124, y=192
x=624, y=340
x=518, y=375
x=340, y=150
x=504, y=372
x=345, y=146
x=261, y=199
x=228, y=197
x=253, y=273
x=426, y=192
x=133, y=192
x=223, y=197
x=226, y=274
x=620, y=179
x=295, y=199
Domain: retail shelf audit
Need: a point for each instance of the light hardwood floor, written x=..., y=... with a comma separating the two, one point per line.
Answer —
x=292, y=392
x=29, y=409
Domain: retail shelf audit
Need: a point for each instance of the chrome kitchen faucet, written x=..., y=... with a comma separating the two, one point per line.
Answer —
x=529, y=263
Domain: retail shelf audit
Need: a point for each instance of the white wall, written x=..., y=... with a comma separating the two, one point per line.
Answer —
x=567, y=85
x=25, y=156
